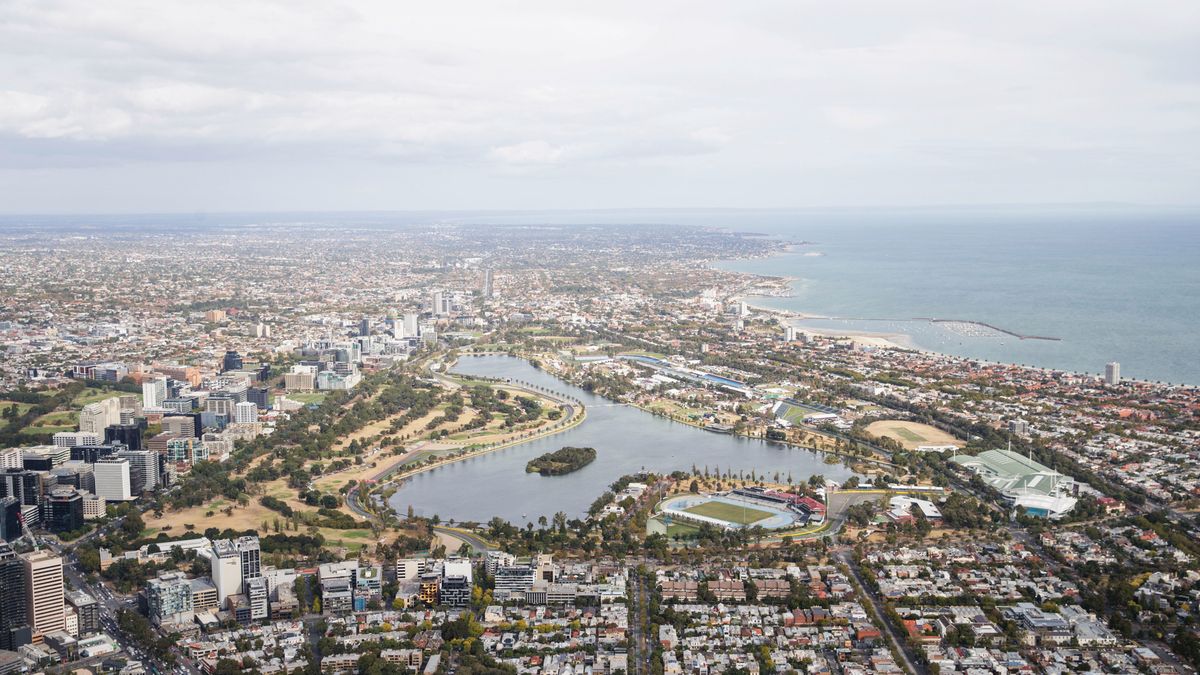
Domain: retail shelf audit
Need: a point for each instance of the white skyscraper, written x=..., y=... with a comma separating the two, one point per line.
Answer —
x=245, y=412
x=154, y=392
x=226, y=569
x=44, y=592
x=440, y=303
x=112, y=479
x=96, y=416
x=1112, y=373
x=411, y=325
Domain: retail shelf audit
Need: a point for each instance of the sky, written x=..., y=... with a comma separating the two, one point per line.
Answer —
x=251, y=105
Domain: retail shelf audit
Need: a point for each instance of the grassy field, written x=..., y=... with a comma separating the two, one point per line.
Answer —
x=61, y=420
x=22, y=408
x=729, y=512
x=309, y=397
x=91, y=395
x=911, y=434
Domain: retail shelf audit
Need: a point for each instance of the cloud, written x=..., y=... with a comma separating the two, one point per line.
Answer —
x=736, y=103
x=529, y=152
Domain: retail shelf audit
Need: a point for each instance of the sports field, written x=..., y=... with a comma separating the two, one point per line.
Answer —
x=730, y=513
x=911, y=434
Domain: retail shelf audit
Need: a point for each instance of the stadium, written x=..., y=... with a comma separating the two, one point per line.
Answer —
x=742, y=508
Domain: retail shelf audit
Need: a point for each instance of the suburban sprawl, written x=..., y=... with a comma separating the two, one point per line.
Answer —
x=210, y=438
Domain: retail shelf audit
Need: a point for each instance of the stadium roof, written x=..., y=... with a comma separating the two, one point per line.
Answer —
x=1013, y=474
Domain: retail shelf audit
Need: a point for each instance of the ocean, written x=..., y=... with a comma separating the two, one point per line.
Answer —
x=1112, y=286
x=1112, y=283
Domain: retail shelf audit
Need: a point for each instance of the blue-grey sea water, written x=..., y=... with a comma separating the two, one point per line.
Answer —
x=1113, y=283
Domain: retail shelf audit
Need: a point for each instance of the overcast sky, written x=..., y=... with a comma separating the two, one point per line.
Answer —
x=158, y=105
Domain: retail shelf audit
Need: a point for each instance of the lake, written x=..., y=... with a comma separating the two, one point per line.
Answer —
x=627, y=440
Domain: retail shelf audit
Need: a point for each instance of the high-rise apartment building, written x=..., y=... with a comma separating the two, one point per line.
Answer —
x=154, y=392
x=1112, y=373
x=44, y=592
x=245, y=413
x=88, y=611
x=169, y=598
x=144, y=470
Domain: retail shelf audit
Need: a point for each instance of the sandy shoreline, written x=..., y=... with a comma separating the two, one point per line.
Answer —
x=860, y=337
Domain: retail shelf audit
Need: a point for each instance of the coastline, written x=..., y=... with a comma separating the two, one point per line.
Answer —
x=859, y=337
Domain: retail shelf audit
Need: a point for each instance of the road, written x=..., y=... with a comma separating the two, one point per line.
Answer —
x=875, y=603
x=640, y=652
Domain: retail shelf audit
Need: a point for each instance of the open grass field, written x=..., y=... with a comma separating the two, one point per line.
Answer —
x=729, y=512
x=308, y=397
x=60, y=420
x=911, y=434
x=22, y=408
x=92, y=394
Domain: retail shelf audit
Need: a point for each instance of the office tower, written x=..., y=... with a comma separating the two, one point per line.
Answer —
x=129, y=435
x=440, y=303
x=144, y=469
x=183, y=425
x=1112, y=373
x=169, y=598
x=259, y=396
x=232, y=361
x=364, y=326
x=88, y=611
x=93, y=453
x=14, y=608
x=25, y=485
x=67, y=439
x=226, y=569
x=44, y=590
x=154, y=392
x=245, y=413
x=62, y=509
x=112, y=479
x=95, y=416
x=10, y=518
x=221, y=404
x=411, y=324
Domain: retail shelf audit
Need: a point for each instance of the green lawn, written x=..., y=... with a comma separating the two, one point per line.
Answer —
x=907, y=434
x=681, y=530
x=92, y=394
x=729, y=513
x=309, y=397
x=793, y=414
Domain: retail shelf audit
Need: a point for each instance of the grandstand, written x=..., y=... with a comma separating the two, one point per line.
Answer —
x=1024, y=483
